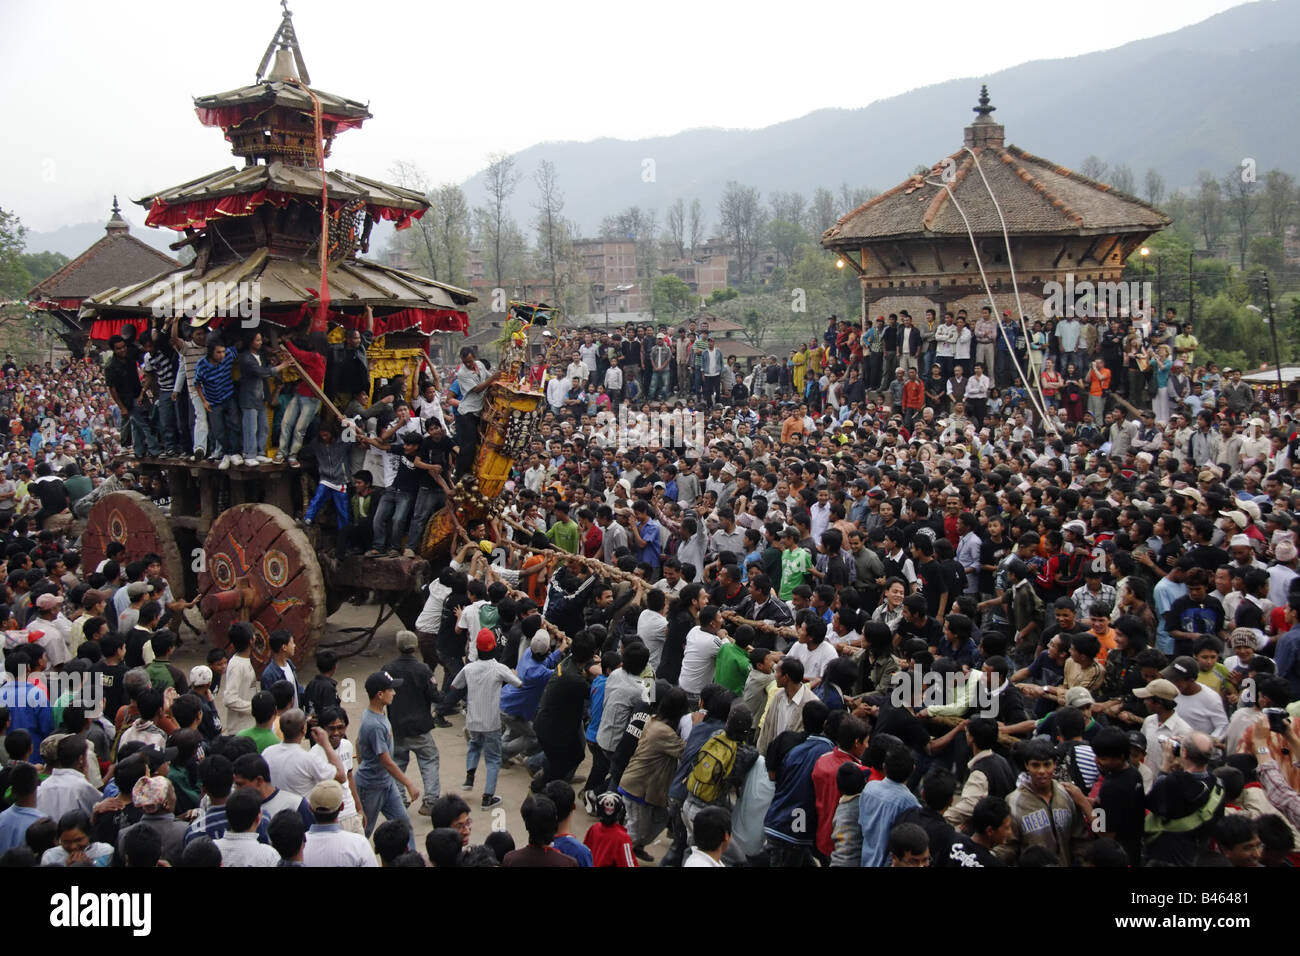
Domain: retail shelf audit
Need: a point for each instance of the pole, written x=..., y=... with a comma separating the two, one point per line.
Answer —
x=1160, y=300
x=1191, y=286
x=1272, y=330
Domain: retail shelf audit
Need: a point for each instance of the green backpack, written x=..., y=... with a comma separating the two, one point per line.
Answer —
x=707, y=781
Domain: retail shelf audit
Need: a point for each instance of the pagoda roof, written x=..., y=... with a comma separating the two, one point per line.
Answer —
x=283, y=285
x=1036, y=196
x=117, y=258
x=235, y=106
x=190, y=204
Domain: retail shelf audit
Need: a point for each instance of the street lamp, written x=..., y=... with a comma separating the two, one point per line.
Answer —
x=1272, y=331
x=1144, y=252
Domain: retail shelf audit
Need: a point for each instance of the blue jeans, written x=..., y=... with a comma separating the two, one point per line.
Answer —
x=385, y=799
x=394, y=512
x=659, y=385
x=426, y=758
x=254, y=428
x=167, y=422
x=427, y=500
x=340, y=498
x=487, y=743
x=143, y=434
x=297, y=419
x=223, y=428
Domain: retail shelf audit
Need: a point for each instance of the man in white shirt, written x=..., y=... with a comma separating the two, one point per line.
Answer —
x=785, y=707
x=1200, y=707
x=293, y=768
x=711, y=828
x=1161, y=696
x=578, y=369
x=813, y=651
x=240, y=847
x=328, y=844
x=701, y=652
x=67, y=789
x=652, y=626
x=557, y=390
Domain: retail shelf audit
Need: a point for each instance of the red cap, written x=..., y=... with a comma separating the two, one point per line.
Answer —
x=486, y=640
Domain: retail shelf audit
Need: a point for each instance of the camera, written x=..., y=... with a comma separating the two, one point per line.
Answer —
x=1276, y=719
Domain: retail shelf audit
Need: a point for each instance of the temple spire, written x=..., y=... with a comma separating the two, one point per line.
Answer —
x=983, y=131
x=116, y=224
x=284, y=43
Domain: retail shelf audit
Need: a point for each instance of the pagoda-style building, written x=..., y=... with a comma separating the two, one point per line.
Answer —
x=115, y=260
x=256, y=230
x=911, y=249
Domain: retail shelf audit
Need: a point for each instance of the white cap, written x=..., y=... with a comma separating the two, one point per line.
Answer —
x=200, y=675
x=1239, y=541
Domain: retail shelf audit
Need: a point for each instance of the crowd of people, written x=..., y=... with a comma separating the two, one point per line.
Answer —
x=984, y=619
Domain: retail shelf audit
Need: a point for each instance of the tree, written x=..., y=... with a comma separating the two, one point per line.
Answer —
x=1121, y=178
x=676, y=224
x=1266, y=252
x=420, y=240
x=790, y=207
x=785, y=237
x=1094, y=168
x=1155, y=186
x=742, y=218
x=552, y=231
x=722, y=295
x=822, y=213
x=15, y=280
x=1207, y=207
x=450, y=220
x=628, y=224
x=1279, y=201
x=671, y=295
x=695, y=225
x=42, y=265
x=1243, y=203
x=851, y=199
x=495, y=223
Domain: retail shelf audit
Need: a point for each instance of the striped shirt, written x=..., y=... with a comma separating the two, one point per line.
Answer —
x=215, y=380
x=163, y=367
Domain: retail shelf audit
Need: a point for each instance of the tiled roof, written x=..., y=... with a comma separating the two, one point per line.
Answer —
x=277, y=93
x=115, y=260
x=1037, y=197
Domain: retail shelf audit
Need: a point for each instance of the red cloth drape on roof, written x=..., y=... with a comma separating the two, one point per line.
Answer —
x=105, y=329
x=426, y=320
x=195, y=214
x=228, y=116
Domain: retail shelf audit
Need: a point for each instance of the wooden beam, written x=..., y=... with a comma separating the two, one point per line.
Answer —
x=1087, y=253
x=938, y=257
x=906, y=259
x=1102, y=260
x=1065, y=247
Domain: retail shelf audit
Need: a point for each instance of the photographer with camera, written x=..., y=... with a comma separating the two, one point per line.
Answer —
x=1185, y=803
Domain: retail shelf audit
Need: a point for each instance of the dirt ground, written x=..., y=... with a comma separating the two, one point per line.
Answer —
x=513, y=782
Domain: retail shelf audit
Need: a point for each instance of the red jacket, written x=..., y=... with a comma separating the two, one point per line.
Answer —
x=827, y=795
x=609, y=845
x=313, y=363
x=913, y=394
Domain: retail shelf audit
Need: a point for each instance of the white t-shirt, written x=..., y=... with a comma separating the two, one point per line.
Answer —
x=651, y=630
x=699, y=858
x=814, y=660
x=1203, y=712
x=698, y=660
x=345, y=754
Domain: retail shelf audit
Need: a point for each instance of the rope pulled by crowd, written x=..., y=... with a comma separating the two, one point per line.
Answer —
x=607, y=571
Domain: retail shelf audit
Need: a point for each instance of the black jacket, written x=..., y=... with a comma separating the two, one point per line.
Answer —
x=411, y=712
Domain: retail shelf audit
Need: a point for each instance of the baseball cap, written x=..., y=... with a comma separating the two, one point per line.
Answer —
x=200, y=675
x=48, y=602
x=381, y=681
x=326, y=796
x=540, y=644
x=137, y=589
x=486, y=640
x=1238, y=517
x=1137, y=739
x=1076, y=526
x=1158, y=688
x=1181, y=668
x=407, y=641
x=1079, y=697
x=92, y=597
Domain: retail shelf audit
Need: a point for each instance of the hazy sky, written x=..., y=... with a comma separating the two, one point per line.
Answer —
x=99, y=93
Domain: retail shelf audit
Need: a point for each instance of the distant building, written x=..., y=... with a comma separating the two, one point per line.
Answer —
x=117, y=260
x=911, y=249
